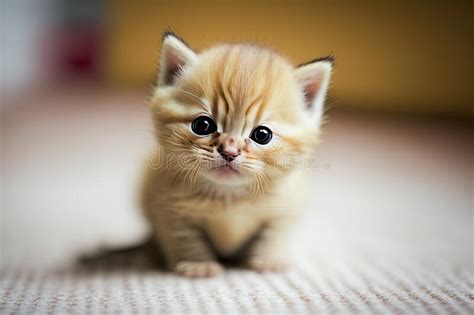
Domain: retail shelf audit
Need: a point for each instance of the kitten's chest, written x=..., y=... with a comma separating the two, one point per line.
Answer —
x=229, y=231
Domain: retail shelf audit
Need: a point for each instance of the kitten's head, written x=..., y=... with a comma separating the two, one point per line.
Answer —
x=236, y=116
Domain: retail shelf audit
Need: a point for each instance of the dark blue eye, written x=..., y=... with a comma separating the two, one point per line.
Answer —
x=261, y=135
x=203, y=126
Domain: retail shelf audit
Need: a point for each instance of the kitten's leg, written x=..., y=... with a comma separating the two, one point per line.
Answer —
x=270, y=251
x=186, y=251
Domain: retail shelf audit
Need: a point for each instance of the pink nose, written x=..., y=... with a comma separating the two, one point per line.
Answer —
x=230, y=148
x=229, y=153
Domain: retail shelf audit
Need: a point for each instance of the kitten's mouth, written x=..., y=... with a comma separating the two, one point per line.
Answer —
x=226, y=169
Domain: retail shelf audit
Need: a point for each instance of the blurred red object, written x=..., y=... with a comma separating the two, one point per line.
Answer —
x=74, y=53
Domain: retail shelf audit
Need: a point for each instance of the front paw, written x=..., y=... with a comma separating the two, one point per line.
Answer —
x=268, y=264
x=197, y=269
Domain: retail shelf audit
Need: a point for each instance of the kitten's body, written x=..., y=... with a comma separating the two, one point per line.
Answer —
x=201, y=206
x=184, y=222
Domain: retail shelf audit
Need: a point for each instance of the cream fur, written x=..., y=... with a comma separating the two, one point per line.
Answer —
x=198, y=214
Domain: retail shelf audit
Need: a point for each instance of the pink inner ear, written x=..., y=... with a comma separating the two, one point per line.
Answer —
x=173, y=63
x=311, y=90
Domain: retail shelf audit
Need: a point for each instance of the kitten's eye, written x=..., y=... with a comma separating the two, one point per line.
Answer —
x=261, y=135
x=203, y=126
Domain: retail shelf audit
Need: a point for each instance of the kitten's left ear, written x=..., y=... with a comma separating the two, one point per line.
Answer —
x=175, y=55
x=314, y=78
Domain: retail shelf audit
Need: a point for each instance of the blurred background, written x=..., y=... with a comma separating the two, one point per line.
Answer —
x=396, y=158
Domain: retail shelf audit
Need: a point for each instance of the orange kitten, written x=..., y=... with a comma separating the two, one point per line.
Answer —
x=235, y=125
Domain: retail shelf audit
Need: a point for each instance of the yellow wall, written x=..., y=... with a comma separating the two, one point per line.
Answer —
x=396, y=55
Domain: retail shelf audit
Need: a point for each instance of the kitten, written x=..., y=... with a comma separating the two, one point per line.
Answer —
x=235, y=126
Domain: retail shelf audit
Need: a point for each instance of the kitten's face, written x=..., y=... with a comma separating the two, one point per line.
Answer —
x=235, y=116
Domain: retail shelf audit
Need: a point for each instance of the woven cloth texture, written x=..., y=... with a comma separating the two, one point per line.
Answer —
x=355, y=286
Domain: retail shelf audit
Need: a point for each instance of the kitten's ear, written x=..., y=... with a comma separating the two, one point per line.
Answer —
x=175, y=55
x=314, y=78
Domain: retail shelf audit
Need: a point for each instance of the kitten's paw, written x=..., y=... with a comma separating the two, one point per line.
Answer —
x=268, y=264
x=197, y=269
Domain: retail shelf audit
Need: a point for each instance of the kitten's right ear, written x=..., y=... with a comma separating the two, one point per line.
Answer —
x=175, y=55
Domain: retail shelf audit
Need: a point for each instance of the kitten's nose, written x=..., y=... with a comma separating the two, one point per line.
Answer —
x=229, y=149
x=228, y=155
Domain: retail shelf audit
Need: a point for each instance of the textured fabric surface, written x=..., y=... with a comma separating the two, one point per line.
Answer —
x=356, y=286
